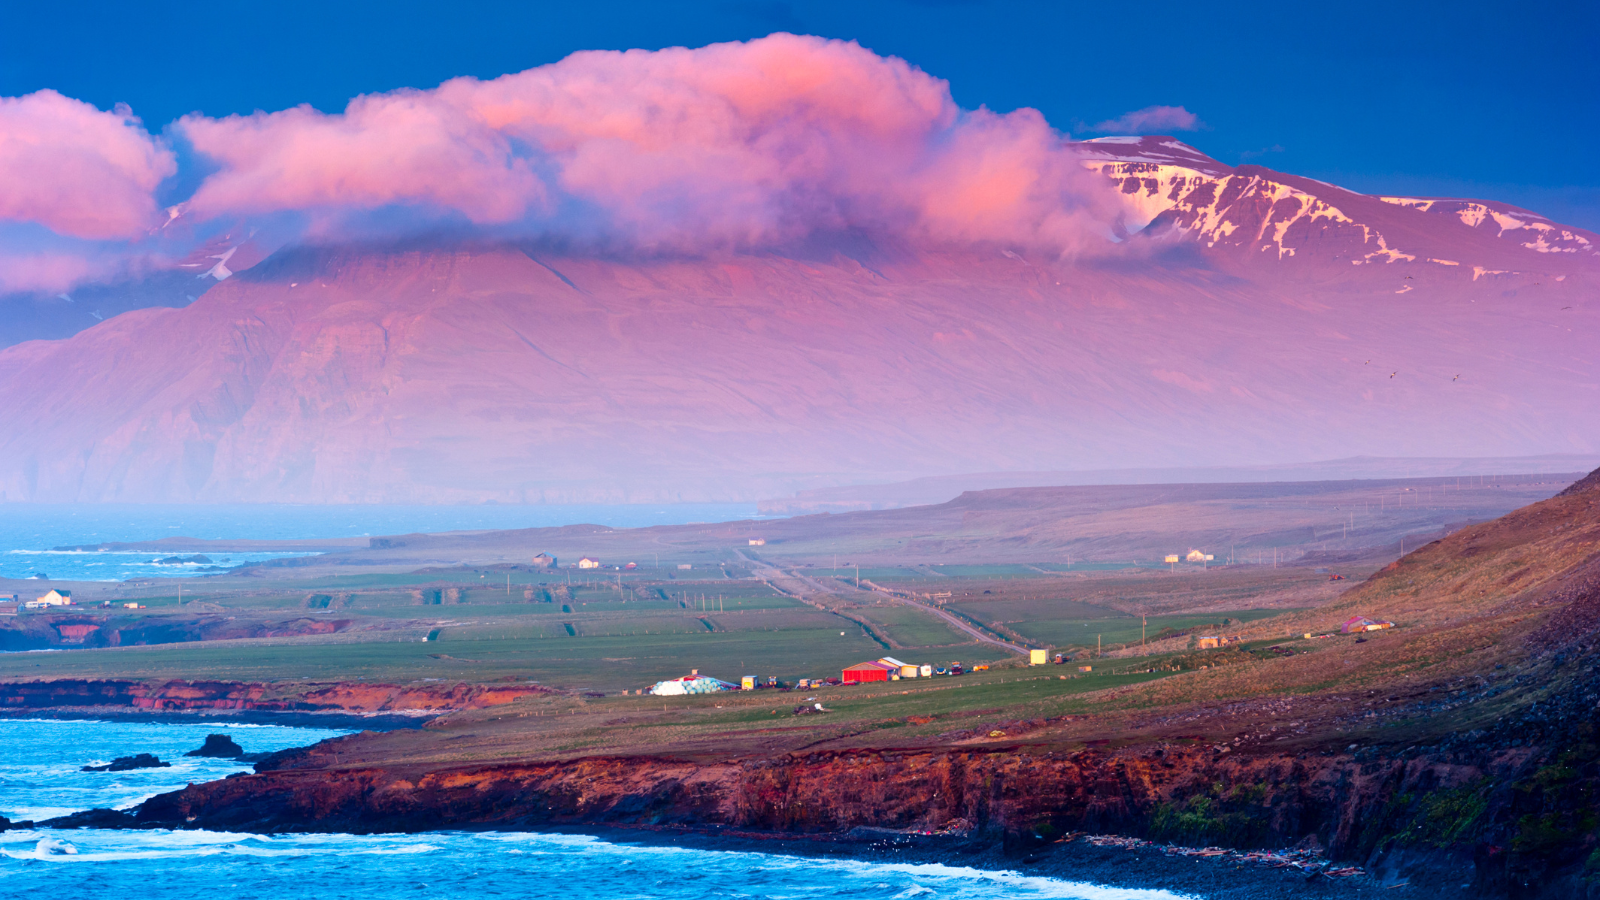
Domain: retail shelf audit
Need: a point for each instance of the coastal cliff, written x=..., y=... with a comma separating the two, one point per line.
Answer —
x=1433, y=818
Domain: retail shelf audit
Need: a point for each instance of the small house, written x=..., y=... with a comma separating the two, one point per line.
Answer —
x=55, y=598
x=684, y=567
x=1197, y=556
x=1208, y=642
x=758, y=542
x=1086, y=668
x=630, y=567
x=861, y=673
x=587, y=563
x=544, y=561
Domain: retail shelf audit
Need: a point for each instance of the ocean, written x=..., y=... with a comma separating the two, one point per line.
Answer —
x=30, y=533
x=39, y=775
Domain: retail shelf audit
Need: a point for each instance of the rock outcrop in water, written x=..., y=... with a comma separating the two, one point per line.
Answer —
x=128, y=763
x=218, y=746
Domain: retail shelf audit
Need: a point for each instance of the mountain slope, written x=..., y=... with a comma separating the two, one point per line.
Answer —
x=453, y=373
x=1253, y=210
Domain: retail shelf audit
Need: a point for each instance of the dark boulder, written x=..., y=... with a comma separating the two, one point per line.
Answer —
x=92, y=818
x=218, y=746
x=124, y=763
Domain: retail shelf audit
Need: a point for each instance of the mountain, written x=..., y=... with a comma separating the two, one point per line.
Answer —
x=1246, y=317
x=1250, y=210
x=42, y=315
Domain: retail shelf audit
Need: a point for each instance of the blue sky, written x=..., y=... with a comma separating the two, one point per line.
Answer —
x=1467, y=99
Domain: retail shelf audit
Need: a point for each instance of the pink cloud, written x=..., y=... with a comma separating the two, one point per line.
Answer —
x=51, y=271
x=77, y=170
x=406, y=147
x=1150, y=120
x=738, y=144
x=730, y=146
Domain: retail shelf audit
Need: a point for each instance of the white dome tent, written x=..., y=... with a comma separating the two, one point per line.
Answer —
x=691, y=684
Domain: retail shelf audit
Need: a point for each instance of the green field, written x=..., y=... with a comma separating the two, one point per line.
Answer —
x=1018, y=691
x=913, y=628
x=487, y=653
x=1126, y=629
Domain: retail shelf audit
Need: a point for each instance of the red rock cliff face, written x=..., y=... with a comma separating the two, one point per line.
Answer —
x=1268, y=801
x=1372, y=812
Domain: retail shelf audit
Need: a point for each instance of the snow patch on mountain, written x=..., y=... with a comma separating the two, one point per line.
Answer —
x=1160, y=180
x=1534, y=232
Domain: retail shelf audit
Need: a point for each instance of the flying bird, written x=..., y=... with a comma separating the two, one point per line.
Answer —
x=1456, y=378
x=1393, y=374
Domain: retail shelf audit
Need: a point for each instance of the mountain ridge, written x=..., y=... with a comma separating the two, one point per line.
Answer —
x=466, y=372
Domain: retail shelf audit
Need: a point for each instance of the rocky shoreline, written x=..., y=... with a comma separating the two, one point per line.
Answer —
x=984, y=809
x=1072, y=860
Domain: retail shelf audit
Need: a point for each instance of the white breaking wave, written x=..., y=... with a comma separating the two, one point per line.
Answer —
x=99, y=846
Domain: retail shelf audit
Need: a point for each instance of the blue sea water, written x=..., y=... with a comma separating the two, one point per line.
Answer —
x=40, y=760
x=38, y=771
x=29, y=532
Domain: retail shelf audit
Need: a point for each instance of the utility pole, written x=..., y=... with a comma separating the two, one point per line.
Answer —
x=1142, y=623
x=1097, y=654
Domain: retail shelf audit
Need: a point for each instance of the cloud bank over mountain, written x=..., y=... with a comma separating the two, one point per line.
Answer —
x=76, y=170
x=71, y=178
x=733, y=146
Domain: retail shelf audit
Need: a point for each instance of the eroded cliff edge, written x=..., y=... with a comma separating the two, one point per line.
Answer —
x=1435, y=818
